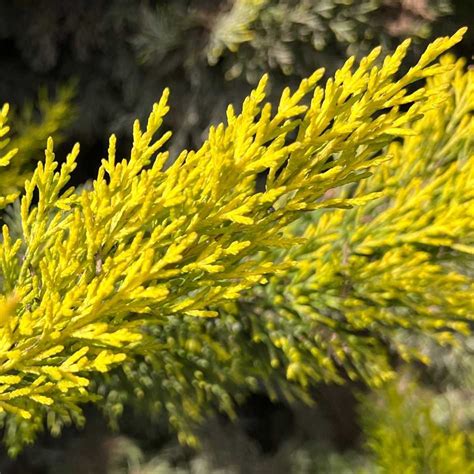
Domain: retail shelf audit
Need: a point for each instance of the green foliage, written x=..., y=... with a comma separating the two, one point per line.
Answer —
x=127, y=271
x=399, y=262
x=363, y=288
x=406, y=427
x=288, y=34
x=404, y=436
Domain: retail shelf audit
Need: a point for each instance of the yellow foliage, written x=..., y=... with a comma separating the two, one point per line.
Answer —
x=396, y=266
x=403, y=434
x=149, y=243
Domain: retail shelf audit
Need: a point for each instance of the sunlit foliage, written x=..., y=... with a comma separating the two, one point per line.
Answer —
x=97, y=276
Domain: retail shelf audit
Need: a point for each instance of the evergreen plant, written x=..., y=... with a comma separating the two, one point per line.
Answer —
x=191, y=279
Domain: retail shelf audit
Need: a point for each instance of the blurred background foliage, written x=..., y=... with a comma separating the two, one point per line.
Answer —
x=111, y=60
x=209, y=52
x=38, y=119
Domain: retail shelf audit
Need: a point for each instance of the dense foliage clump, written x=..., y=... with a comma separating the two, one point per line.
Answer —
x=192, y=274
